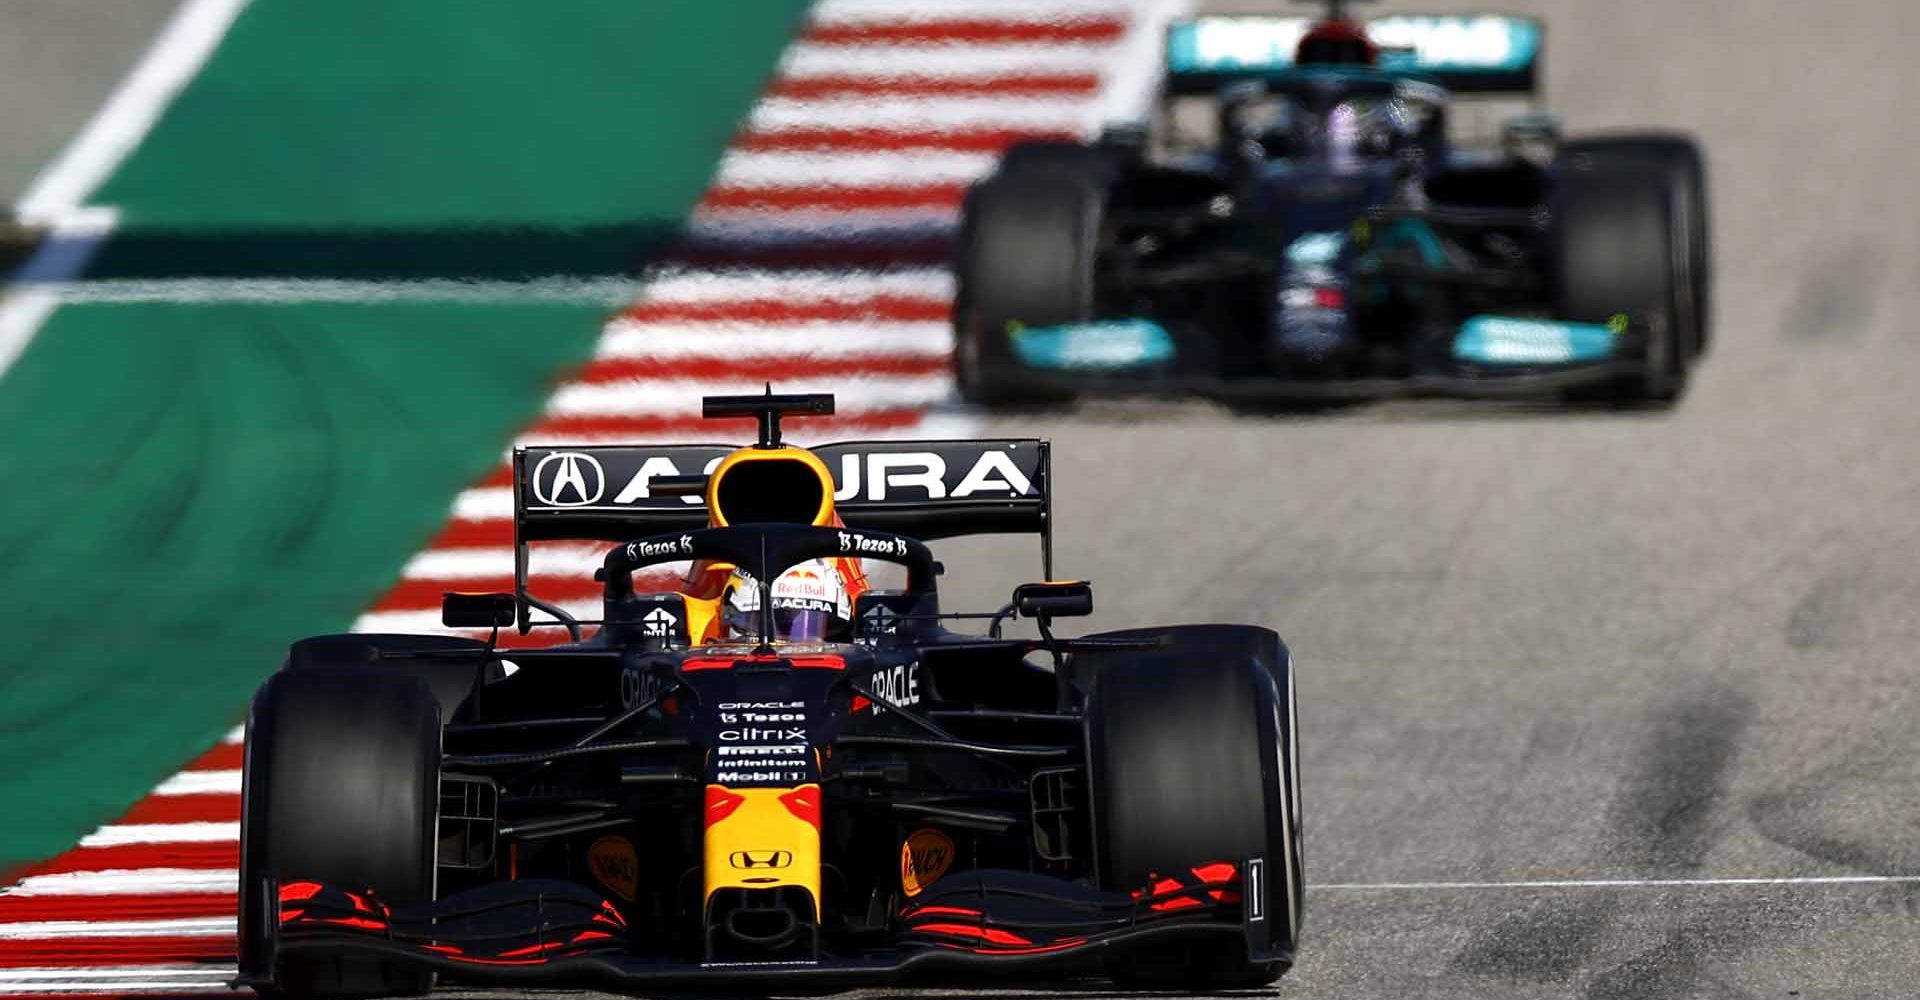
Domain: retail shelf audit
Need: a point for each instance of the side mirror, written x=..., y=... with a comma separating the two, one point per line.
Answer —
x=1533, y=136
x=458, y=610
x=1059, y=599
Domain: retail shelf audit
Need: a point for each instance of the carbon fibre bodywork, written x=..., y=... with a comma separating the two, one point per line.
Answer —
x=1339, y=244
x=638, y=809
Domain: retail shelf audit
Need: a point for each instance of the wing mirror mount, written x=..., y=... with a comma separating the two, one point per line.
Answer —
x=1054, y=599
x=461, y=610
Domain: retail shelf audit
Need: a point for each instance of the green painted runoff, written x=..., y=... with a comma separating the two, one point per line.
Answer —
x=196, y=484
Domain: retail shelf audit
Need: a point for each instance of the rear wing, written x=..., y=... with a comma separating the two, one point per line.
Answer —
x=1466, y=53
x=922, y=489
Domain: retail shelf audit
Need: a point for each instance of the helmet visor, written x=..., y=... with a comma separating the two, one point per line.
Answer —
x=800, y=624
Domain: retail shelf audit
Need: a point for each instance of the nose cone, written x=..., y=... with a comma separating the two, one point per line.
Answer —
x=763, y=839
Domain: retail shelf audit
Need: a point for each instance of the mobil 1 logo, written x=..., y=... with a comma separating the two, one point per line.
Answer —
x=762, y=743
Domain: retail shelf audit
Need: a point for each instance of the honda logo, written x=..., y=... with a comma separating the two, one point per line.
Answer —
x=760, y=859
x=568, y=479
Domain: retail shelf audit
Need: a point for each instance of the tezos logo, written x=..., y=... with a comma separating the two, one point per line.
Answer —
x=851, y=542
x=569, y=479
x=648, y=550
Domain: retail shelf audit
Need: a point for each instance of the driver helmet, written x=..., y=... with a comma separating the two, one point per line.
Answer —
x=810, y=603
x=1336, y=43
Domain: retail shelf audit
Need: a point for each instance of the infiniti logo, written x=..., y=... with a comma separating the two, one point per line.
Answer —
x=568, y=479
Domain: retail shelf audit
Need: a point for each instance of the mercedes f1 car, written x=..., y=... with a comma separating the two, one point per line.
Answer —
x=1329, y=240
x=668, y=803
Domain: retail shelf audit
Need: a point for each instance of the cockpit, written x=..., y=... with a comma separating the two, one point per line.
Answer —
x=1334, y=119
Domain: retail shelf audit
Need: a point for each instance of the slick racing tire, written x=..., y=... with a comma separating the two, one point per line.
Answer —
x=1615, y=250
x=341, y=785
x=452, y=681
x=1192, y=756
x=1028, y=240
x=1676, y=160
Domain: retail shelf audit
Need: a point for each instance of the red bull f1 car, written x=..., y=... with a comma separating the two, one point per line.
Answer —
x=1304, y=224
x=689, y=798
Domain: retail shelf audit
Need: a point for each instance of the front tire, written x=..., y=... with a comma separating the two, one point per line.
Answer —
x=1192, y=754
x=1615, y=249
x=340, y=785
x=1679, y=166
x=1029, y=236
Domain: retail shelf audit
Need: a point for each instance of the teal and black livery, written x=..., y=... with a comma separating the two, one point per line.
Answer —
x=1333, y=240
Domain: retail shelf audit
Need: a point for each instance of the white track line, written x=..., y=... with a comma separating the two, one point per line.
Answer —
x=1617, y=883
x=955, y=60
x=777, y=114
x=132, y=986
x=815, y=284
x=118, y=987
x=119, y=980
x=950, y=425
x=669, y=397
x=749, y=170
x=484, y=503
x=201, y=783
x=161, y=833
x=30, y=974
x=56, y=196
x=237, y=734
x=131, y=112
x=1020, y=11
x=610, y=291
x=52, y=930
x=823, y=339
x=129, y=881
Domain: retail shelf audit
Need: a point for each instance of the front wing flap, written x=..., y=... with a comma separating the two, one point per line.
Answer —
x=563, y=934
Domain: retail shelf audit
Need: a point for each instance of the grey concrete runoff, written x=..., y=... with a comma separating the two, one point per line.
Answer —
x=1537, y=645
x=63, y=57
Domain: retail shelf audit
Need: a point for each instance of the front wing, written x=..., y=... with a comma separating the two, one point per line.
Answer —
x=561, y=934
x=1521, y=357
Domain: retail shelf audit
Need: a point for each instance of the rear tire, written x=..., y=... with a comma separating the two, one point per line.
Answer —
x=1615, y=250
x=341, y=785
x=1028, y=240
x=1192, y=755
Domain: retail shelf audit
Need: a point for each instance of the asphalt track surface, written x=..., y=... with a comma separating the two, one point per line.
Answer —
x=63, y=58
x=1542, y=646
